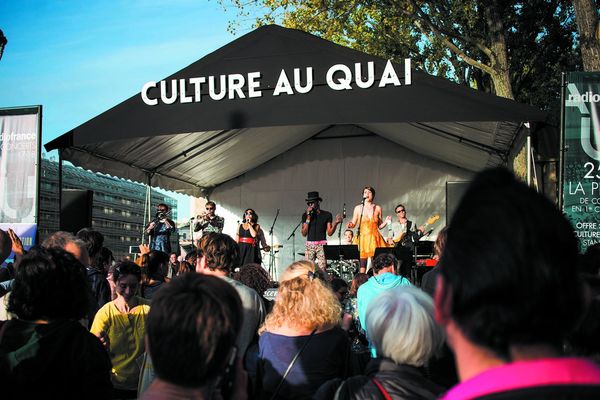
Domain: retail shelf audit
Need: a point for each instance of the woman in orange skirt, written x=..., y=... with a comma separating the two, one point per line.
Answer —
x=367, y=216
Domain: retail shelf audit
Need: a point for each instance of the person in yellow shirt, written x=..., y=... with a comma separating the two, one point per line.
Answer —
x=121, y=326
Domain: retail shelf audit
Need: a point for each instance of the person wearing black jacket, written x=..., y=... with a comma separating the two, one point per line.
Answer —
x=402, y=329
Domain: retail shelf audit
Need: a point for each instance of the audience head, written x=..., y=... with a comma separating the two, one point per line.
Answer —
x=5, y=246
x=348, y=235
x=157, y=265
x=173, y=258
x=401, y=326
x=357, y=281
x=340, y=288
x=68, y=242
x=192, y=256
x=303, y=301
x=127, y=276
x=49, y=284
x=254, y=276
x=93, y=241
x=509, y=281
x=107, y=258
x=205, y=313
x=220, y=253
x=385, y=262
x=440, y=242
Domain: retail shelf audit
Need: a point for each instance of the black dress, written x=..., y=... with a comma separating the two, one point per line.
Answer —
x=249, y=252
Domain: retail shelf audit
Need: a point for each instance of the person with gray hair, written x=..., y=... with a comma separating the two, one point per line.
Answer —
x=402, y=328
x=68, y=242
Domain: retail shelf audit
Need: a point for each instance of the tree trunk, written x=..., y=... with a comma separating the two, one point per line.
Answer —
x=499, y=61
x=589, y=33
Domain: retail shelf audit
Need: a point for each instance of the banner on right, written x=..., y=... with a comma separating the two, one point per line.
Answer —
x=581, y=159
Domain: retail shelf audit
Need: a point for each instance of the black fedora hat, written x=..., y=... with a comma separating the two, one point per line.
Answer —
x=313, y=196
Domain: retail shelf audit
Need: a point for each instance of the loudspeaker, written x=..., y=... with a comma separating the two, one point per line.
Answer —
x=76, y=209
x=454, y=194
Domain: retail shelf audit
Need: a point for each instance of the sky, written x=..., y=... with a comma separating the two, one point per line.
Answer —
x=78, y=59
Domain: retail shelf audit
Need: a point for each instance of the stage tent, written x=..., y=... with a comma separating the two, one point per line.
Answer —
x=404, y=132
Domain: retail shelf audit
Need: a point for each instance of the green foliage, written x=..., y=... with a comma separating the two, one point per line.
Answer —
x=512, y=48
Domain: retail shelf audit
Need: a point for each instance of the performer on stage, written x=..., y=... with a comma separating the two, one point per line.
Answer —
x=160, y=229
x=316, y=224
x=249, y=236
x=348, y=236
x=209, y=221
x=367, y=216
x=403, y=234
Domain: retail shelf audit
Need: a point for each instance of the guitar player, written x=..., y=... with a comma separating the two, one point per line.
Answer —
x=403, y=234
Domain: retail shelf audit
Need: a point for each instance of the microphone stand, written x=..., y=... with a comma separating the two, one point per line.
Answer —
x=272, y=251
x=293, y=235
x=362, y=208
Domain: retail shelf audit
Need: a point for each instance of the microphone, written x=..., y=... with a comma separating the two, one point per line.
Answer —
x=344, y=212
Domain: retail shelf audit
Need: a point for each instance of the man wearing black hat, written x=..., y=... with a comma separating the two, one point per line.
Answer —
x=315, y=224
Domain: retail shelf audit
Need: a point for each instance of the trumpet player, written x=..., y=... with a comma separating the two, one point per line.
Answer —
x=160, y=229
x=209, y=221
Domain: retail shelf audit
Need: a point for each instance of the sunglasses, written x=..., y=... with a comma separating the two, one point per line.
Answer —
x=210, y=208
x=399, y=211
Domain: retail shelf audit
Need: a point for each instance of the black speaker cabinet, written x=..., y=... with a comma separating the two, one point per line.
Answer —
x=454, y=194
x=76, y=209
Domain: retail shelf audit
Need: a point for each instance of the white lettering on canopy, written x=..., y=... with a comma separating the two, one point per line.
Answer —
x=338, y=77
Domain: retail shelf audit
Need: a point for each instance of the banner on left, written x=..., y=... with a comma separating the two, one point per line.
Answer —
x=20, y=142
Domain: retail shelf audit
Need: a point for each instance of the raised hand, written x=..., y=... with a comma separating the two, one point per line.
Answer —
x=17, y=245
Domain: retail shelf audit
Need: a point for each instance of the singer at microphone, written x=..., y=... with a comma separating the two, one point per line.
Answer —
x=250, y=237
x=316, y=225
x=367, y=217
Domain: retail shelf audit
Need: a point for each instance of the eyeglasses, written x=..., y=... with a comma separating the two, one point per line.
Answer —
x=210, y=208
x=399, y=211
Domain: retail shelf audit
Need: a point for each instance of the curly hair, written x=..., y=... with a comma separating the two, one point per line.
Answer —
x=303, y=301
x=254, y=276
x=49, y=284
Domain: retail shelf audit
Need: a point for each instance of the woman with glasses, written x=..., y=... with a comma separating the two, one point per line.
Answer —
x=249, y=237
x=120, y=325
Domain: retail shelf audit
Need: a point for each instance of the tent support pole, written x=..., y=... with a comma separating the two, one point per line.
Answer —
x=60, y=185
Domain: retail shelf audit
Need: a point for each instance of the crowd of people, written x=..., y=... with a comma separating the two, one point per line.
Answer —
x=510, y=312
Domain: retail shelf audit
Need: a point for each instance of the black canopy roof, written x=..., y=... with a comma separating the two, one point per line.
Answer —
x=199, y=145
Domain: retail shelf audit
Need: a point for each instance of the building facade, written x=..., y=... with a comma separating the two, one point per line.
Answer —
x=117, y=208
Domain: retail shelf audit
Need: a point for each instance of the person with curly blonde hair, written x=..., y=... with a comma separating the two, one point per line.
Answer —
x=304, y=326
